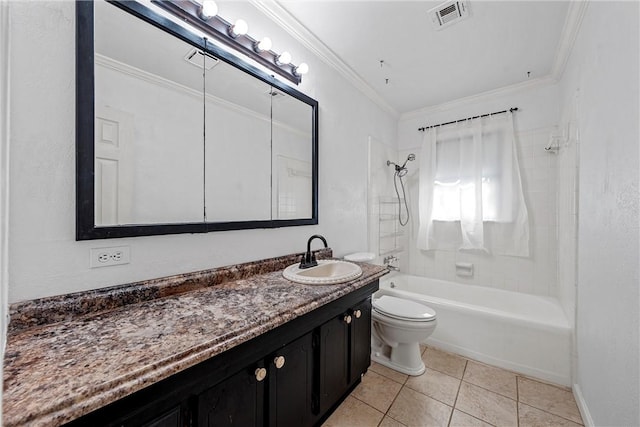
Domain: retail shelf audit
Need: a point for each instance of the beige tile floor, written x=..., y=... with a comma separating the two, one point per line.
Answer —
x=456, y=392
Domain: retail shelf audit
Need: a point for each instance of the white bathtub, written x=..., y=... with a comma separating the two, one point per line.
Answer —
x=524, y=333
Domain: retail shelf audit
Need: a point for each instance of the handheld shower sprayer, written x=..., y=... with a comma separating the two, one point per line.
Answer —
x=410, y=158
x=401, y=171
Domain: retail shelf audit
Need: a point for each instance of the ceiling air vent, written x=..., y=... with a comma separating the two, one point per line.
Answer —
x=449, y=13
x=197, y=58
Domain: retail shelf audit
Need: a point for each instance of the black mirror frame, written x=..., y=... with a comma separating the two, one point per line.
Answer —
x=85, y=164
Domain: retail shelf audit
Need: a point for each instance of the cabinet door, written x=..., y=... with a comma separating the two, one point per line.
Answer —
x=152, y=413
x=291, y=384
x=237, y=401
x=360, y=339
x=172, y=418
x=334, y=361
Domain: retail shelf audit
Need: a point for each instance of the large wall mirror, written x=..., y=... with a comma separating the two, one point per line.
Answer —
x=176, y=135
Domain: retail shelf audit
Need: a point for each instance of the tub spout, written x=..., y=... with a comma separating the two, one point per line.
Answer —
x=388, y=260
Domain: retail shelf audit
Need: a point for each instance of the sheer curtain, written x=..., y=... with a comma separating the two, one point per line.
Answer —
x=470, y=194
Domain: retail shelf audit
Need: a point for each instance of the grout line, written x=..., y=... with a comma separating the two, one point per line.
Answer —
x=362, y=401
x=535, y=407
x=518, y=400
x=455, y=401
x=431, y=397
x=541, y=381
x=551, y=413
x=402, y=424
x=389, y=378
x=394, y=401
x=475, y=417
x=491, y=391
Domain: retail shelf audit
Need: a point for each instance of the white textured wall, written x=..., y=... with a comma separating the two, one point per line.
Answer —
x=44, y=257
x=535, y=120
x=603, y=69
x=4, y=179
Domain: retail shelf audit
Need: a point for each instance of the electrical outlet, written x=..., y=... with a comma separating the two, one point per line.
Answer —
x=104, y=257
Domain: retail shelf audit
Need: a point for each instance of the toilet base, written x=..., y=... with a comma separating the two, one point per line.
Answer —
x=382, y=355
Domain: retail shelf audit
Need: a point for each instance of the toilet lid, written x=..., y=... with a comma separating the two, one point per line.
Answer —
x=403, y=309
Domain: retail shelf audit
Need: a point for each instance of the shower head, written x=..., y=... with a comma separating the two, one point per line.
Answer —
x=411, y=157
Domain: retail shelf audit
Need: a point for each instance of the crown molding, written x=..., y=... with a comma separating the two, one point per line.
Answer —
x=570, y=30
x=479, y=97
x=291, y=25
x=284, y=19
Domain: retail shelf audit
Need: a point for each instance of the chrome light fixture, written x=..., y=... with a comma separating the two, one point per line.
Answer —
x=203, y=15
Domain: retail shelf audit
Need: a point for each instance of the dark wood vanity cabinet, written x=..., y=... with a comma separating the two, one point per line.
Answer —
x=237, y=401
x=291, y=385
x=345, y=352
x=294, y=375
x=275, y=391
x=360, y=339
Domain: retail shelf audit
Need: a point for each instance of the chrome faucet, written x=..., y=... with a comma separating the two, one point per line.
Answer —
x=388, y=260
x=309, y=258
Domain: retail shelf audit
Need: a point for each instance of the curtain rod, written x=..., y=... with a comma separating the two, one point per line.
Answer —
x=422, y=129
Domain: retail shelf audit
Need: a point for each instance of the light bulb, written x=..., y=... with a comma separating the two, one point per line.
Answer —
x=301, y=69
x=239, y=28
x=284, y=58
x=208, y=9
x=262, y=45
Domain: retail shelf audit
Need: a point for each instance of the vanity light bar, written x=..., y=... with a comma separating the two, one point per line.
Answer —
x=226, y=33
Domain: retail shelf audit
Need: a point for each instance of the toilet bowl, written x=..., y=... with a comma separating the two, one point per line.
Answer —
x=399, y=326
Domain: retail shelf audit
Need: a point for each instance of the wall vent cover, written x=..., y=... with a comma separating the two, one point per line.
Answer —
x=197, y=57
x=449, y=13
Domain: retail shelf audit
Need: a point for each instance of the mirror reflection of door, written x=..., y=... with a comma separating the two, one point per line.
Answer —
x=113, y=166
x=144, y=84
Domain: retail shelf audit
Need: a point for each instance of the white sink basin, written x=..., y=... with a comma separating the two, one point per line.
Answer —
x=327, y=272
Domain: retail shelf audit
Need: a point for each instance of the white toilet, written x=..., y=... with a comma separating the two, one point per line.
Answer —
x=399, y=326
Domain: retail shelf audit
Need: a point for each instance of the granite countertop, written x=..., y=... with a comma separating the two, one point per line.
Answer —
x=57, y=372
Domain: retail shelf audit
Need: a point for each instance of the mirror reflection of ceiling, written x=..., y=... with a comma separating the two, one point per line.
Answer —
x=122, y=37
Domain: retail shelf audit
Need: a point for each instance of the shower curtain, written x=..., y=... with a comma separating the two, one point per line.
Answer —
x=470, y=191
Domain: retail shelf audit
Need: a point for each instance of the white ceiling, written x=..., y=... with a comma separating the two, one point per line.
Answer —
x=496, y=46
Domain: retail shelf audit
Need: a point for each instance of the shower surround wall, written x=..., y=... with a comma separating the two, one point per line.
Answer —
x=385, y=232
x=534, y=122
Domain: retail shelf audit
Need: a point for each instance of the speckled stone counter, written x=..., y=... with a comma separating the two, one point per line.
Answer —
x=59, y=366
